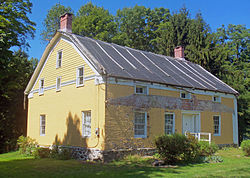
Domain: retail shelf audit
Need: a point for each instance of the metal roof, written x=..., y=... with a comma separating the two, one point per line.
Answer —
x=124, y=62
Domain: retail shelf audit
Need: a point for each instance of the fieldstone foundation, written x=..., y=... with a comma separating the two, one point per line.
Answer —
x=93, y=154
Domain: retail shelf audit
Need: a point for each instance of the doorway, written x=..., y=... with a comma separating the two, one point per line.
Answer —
x=190, y=122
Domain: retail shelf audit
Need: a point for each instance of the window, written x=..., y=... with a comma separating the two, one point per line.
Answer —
x=169, y=123
x=185, y=95
x=217, y=125
x=86, y=123
x=41, y=86
x=79, y=78
x=58, y=83
x=140, y=125
x=141, y=89
x=216, y=99
x=42, y=125
x=59, y=59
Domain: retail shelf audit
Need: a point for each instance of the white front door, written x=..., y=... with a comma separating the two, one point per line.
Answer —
x=190, y=123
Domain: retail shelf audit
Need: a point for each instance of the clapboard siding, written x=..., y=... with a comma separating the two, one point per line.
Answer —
x=70, y=61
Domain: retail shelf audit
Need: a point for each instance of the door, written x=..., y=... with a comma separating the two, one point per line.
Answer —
x=190, y=123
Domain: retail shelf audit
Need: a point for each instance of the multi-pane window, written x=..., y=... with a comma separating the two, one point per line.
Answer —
x=217, y=125
x=185, y=95
x=59, y=59
x=41, y=86
x=216, y=98
x=79, y=78
x=141, y=89
x=169, y=123
x=86, y=123
x=42, y=124
x=58, y=83
x=140, y=124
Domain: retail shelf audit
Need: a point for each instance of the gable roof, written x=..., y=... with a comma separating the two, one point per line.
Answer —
x=124, y=62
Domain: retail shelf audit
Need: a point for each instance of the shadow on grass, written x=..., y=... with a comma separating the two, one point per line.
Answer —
x=73, y=168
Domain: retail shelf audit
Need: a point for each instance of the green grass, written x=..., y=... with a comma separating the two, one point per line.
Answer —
x=15, y=165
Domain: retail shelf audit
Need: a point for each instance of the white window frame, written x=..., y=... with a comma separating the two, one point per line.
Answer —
x=215, y=100
x=173, y=128
x=41, y=88
x=144, y=87
x=58, y=88
x=217, y=134
x=145, y=126
x=57, y=59
x=84, y=125
x=42, y=116
x=77, y=76
x=187, y=94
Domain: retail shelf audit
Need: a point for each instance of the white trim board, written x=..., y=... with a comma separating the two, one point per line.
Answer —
x=127, y=82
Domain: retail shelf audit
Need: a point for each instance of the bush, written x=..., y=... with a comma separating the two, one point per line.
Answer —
x=207, y=149
x=213, y=159
x=245, y=145
x=175, y=148
x=62, y=153
x=41, y=152
x=26, y=145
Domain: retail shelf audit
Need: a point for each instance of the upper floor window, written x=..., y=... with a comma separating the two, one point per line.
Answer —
x=217, y=99
x=42, y=125
x=185, y=95
x=41, y=86
x=140, y=125
x=79, y=76
x=169, y=123
x=86, y=123
x=58, y=83
x=141, y=89
x=59, y=59
x=217, y=125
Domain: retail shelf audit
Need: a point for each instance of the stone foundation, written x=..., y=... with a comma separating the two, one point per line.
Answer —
x=93, y=154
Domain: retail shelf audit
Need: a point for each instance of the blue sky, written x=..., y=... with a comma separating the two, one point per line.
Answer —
x=214, y=12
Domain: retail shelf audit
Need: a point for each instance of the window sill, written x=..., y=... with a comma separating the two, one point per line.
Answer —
x=217, y=135
x=140, y=136
x=58, y=90
x=42, y=134
x=41, y=94
x=77, y=86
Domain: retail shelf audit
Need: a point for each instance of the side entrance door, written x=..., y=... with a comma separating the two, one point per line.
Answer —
x=190, y=123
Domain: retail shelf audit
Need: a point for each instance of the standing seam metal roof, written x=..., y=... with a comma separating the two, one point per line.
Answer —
x=125, y=62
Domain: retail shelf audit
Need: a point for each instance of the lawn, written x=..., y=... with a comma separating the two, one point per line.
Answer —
x=16, y=165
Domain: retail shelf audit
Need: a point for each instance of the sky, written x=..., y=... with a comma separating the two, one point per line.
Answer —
x=214, y=12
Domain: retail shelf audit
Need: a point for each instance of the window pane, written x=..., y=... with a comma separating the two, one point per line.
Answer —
x=86, y=123
x=139, y=124
x=169, y=120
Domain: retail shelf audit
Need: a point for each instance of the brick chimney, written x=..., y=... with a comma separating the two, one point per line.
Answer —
x=179, y=52
x=66, y=22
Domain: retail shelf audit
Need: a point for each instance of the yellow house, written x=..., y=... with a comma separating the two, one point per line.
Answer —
x=96, y=96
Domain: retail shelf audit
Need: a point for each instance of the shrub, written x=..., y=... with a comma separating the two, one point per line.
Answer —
x=26, y=145
x=213, y=159
x=62, y=153
x=245, y=145
x=207, y=149
x=41, y=152
x=177, y=147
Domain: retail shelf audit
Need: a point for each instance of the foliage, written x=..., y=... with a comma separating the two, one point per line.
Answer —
x=26, y=145
x=213, y=159
x=40, y=152
x=52, y=21
x=245, y=145
x=94, y=22
x=13, y=80
x=175, y=148
x=207, y=149
x=61, y=153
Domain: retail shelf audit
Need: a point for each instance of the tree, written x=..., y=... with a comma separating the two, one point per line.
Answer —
x=52, y=21
x=94, y=22
x=15, y=69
